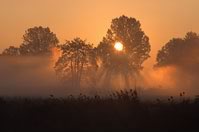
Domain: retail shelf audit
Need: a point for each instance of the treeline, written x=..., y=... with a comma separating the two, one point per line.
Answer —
x=79, y=57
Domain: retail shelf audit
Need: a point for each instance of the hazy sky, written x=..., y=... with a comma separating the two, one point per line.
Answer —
x=89, y=19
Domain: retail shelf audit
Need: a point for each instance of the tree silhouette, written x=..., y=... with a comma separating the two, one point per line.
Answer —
x=128, y=31
x=136, y=44
x=78, y=58
x=38, y=41
x=170, y=53
x=11, y=51
x=180, y=51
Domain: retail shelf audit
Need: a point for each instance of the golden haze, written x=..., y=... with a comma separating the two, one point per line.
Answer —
x=89, y=19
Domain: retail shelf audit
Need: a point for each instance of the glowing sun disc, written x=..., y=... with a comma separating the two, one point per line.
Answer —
x=118, y=46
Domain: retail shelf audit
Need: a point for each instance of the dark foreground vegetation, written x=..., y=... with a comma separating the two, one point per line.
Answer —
x=121, y=111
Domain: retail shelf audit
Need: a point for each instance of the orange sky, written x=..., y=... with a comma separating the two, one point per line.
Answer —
x=89, y=19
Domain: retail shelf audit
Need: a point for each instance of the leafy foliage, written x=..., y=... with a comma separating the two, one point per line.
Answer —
x=78, y=58
x=37, y=41
x=180, y=51
x=11, y=51
x=136, y=45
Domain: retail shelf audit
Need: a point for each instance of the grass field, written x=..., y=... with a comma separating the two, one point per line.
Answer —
x=121, y=111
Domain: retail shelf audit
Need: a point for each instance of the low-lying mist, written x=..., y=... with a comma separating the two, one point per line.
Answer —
x=35, y=76
x=28, y=76
x=170, y=80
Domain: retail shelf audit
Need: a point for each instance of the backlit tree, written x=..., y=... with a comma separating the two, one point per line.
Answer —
x=77, y=60
x=38, y=41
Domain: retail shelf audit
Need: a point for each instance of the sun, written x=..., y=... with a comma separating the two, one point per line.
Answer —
x=118, y=46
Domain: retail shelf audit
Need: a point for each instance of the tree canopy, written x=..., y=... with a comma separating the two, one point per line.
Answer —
x=128, y=31
x=37, y=41
x=78, y=58
x=180, y=51
x=11, y=51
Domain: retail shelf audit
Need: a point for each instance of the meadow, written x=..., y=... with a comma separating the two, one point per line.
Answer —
x=120, y=111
